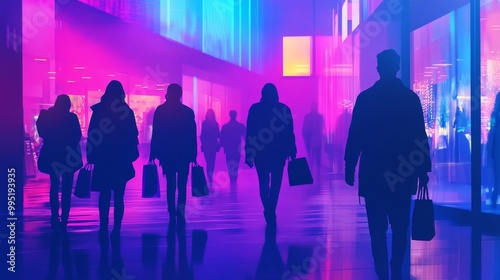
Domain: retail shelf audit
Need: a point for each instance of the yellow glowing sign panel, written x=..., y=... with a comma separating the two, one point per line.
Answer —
x=297, y=56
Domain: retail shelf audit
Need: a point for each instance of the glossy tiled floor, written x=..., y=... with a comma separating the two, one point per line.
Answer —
x=321, y=234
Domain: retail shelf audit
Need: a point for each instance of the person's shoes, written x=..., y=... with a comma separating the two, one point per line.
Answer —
x=181, y=220
x=173, y=219
x=54, y=224
x=270, y=217
x=115, y=234
x=103, y=229
x=63, y=227
x=396, y=275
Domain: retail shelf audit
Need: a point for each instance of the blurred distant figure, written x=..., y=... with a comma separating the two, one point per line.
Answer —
x=340, y=138
x=112, y=148
x=209, y=138
x=148, y=124
x=462, y=146
x=494, y=149
x=174, y=144
x=270, y=140
x=388, y=132
x=230, y=139
x=313, y=134
x=60, y=155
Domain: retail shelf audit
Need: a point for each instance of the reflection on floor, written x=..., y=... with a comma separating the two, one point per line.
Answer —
x=450, y=185
x=322, y=234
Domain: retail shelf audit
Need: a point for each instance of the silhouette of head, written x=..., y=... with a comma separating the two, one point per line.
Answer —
x=210, y=116
x=269, y=94
x=174, y=92
x=233, y=114
x=388, y=63
x=114, y=91
x=63, y=103
x=314, y=107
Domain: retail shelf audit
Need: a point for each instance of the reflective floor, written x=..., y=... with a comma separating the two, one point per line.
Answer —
x=322, y=233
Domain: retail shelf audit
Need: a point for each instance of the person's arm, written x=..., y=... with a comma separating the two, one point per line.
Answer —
x=91, y=147
x=222, y=140
x=76, y=130
x=192, y=137
x=353, y=146
x=292, y=148
x=154, y=146
x=41, y=124
x=203, y=133
x=132, y=136
x=243, y=132
x=250, y=151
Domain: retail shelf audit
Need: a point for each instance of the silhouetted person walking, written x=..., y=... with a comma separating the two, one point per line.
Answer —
x=270, y=140
x=462, y=145
x=174, y=144
x=494, y=149
x=112, y=148
x=313, y=134
x=388, y=131
x=209, y=139
x=230, y=139
x=60, y=155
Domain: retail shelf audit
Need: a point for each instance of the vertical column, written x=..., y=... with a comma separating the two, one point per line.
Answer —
x=11, y=133
x=405, y=43
x=476, y=105
x=476, y=131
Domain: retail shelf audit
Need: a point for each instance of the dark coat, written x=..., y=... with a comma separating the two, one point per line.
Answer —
x=388, y=131
x=112, y=144
x=61, y=135
x=174, y=135
x=231, y=135
x=209, y=137
x=270, y=135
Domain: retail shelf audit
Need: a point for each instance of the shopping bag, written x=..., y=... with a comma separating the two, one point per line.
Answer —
x=299, y=172
x=82, y=188
x=150, y=181
x=199, y=186
x=423, y=216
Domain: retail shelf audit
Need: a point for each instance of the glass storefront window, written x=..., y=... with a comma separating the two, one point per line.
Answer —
x=441, y=77
x=490, y=107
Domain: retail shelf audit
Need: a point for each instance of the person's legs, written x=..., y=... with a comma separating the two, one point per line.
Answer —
x=264, y=179
x=119, y=206
x=67, y=186
x=210, y=159
x=376, y=212
x=182, y=180
x=276, y=180
x=104, y=203
x=171, y=186
x=317, y=162
x=399, y=217
x=233, y=163
x=54, y=200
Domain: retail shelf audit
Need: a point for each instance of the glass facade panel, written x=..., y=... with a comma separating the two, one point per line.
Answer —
x=490, y=107
x=440, y=66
